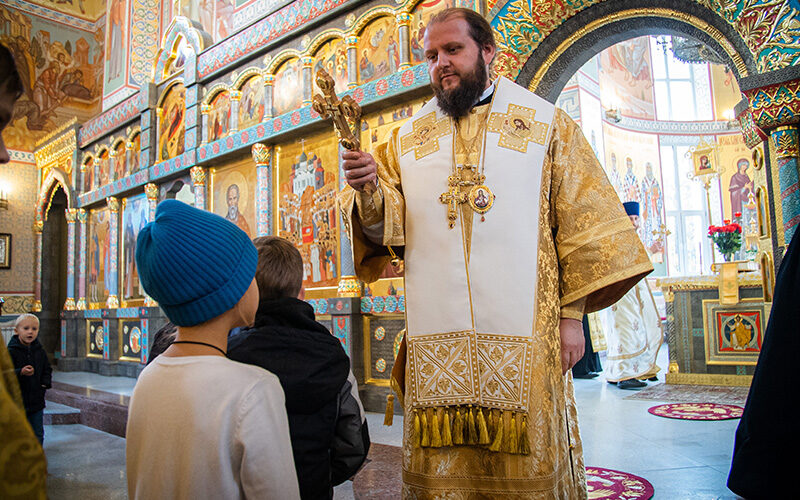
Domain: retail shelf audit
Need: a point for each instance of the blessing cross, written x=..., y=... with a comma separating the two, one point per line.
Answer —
x=328, y=105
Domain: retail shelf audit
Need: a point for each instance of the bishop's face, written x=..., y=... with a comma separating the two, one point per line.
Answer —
x=456, y=65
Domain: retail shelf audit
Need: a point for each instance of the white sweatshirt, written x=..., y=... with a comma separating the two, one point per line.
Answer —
x=208, y=427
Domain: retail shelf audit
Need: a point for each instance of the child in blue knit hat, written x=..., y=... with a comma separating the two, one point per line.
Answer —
x=199, y=424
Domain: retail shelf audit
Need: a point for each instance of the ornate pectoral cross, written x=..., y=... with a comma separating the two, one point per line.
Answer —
x=453, y=198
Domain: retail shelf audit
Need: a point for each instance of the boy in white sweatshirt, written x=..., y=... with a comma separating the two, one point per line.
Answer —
x=200, y=425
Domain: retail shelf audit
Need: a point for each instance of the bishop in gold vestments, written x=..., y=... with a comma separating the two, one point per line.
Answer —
x=507, y=224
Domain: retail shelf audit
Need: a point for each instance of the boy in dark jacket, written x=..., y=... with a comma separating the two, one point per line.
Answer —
x=327, y=426
x=32, y=369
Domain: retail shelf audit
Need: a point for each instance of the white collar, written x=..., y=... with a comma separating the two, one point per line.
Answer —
x=486, y=93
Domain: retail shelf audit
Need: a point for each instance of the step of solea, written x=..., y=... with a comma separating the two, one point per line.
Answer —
x=58, y=414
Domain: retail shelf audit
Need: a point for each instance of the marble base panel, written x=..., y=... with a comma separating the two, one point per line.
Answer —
x=373, y=397
x=100, y=366
x=381, y=477
x=101, y=410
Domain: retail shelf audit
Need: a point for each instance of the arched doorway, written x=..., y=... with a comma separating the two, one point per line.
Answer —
x=54, y=269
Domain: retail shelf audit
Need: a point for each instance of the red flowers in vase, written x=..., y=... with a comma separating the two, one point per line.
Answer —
x=727, y=237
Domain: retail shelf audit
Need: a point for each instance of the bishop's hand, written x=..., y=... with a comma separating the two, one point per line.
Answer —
x=572, y=343
x=360, y=170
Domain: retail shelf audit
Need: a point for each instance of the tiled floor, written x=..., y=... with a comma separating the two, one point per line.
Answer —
x=682, y=459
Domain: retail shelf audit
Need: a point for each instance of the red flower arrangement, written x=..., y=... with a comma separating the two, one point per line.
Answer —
x=728, y=238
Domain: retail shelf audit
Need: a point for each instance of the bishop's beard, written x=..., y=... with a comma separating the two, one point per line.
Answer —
x=457, y=102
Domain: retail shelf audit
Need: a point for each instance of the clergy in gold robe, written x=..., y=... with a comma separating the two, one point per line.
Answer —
x=510, y=231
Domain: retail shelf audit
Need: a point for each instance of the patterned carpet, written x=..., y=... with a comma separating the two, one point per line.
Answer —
x=674, y=393
x=697, y=411
x=609, y=484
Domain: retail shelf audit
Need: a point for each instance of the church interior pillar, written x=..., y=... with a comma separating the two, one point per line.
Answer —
x=403, y=29
x=38, y=227
x=352, y=61
x=262, y=156
x=71, y=214
x=787, y=152
x=204, y=109
x=113, y=232
x=308, y=79
x=236, y=97
x=81, y=304
x=151, y=191
x=198, y=175
x=269, y=80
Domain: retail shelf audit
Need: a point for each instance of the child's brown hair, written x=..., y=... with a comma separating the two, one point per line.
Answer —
x=280, y=268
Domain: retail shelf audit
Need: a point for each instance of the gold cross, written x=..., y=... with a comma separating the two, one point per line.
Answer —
x=452, y=198
x=424, y=138
x=517, y=128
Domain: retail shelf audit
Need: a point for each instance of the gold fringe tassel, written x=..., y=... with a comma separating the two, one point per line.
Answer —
x=388, y=415
x=426, y=438
x=436, y=436
x=417, y=431
x=458, y=428
x=524, y=445
x=483, y=433
x=497, y=444
x=497, y=430
x=473, y=433
x=447, y=438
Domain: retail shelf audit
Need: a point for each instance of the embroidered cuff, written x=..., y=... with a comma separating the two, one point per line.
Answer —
x=574, y=310
x=370, y=207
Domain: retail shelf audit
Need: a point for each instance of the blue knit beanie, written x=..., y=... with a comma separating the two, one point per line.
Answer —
x=196, y=264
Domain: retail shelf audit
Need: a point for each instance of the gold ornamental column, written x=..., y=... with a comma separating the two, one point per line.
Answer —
x=81, y=304
x=38, y=227
x=71, y=214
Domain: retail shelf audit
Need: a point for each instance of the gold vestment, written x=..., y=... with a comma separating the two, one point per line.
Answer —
x=588, y=253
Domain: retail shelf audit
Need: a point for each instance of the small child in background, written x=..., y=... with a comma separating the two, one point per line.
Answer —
x=330, y=439
x=200, y=425
x=32, y=368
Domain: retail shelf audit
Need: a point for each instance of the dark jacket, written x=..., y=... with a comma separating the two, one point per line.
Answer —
x=31, y=386
x=328, y=431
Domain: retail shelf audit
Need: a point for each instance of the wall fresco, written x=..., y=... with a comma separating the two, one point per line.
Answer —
x=378, y=50
x=419, y=19
x=251, y=105
x=218, y=119
x=134, y=155
x=626, y=78
x=234, y=192
x=308, y=180
x=116, y=57
x=287, y=94
x=134, y=217
x=61, y=70
x=171, y=123
x=119, y=161
x=100, y=282
x=332, y=57
x=216, y=16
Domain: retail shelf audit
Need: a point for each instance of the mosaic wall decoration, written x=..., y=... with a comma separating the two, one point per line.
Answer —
x=116, y=56
x=734, y=334
x=102, y=173
x=61, y=68
x=633, y=165
x=626, y=78
x=379, y=355
x=95, y=338
x=419, y=19
x=378, y=50
x=308, y=179
x=233, y=194
x=118, y=171
x=341, y=330
x=251, y=104
x=134, y=155
x=145, y=17
x=132, y=337
x=171, y=123
x=218, y=119
x=134, y=217
x=287, y=94
x=332, y=57
x=100, y=283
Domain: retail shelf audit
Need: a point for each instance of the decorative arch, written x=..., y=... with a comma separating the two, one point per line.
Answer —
x=171, y=111
x=180, y=27
x=56, y=177
x=173, y=83
x=286, y=94
x=543, y=52
x=369, y=16
x=281, y=58
x=87, y=167
x=133, y=132
x=322, y=38
x=119, y=157
x=213, y=91
x=134, y=150
x=247, y=74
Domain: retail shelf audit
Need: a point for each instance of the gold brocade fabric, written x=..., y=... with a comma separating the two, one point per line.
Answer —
x=581, y=255
x=23, y=468
x=468, y=146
